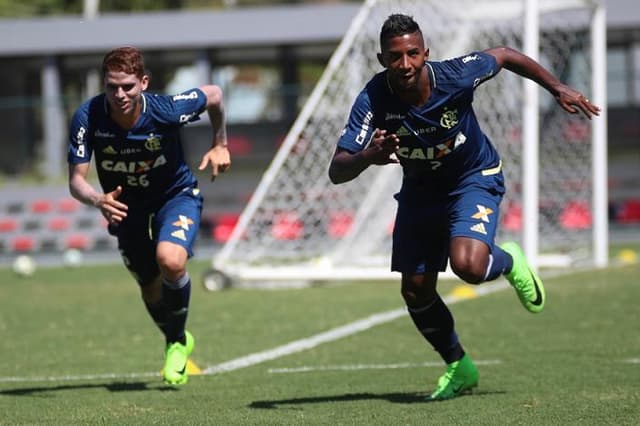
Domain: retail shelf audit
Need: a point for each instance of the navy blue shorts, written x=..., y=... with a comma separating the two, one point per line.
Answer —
x=177, y=221
x=425, y=224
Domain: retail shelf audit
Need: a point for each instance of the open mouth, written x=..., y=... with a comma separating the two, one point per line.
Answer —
x=406, y=78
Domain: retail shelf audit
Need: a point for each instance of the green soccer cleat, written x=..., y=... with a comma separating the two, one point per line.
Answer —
x=527, y=284
x=175, y=364
x=461, y=376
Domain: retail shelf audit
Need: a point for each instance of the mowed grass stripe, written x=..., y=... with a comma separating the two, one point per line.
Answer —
x=458, y=294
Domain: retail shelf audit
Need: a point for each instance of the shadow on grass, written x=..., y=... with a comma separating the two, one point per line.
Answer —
x=112, y=387
x=395, y=397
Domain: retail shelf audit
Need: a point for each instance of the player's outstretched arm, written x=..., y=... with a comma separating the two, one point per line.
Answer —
x=346, y=166
x=569, y=99
x=113, y=210
x=218, y=155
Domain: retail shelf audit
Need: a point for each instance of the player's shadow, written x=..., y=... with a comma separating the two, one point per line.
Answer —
x=112, y=387
x=395, y=397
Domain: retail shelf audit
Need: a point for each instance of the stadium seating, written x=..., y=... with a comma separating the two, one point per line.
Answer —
x=41, y=206
x=223, y=226
x=576, y=215
x=629, y=212
x=287, y=226
x=78, y=241
x=58, y=223
x=23, y=244
x=512, y=218
x=68, y=205
x=47, y=219
x=8, y=225
x=339, y=224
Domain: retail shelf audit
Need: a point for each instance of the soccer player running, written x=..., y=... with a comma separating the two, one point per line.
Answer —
x=418, y=113
x=150, y=196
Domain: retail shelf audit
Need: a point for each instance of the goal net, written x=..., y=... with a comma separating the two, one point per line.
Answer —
x=298, y=225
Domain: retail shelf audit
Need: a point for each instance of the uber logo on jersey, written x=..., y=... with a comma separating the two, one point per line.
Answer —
x=402, y=131
x=129, y=151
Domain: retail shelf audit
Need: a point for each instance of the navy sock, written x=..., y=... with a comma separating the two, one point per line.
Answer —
x=500, y=262
x=435, y=323
x=175, y=296
x=159, y=314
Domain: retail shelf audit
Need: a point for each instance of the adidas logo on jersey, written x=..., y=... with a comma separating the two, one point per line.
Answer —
x=109, y=150
x=179, y=234
x=479, y=227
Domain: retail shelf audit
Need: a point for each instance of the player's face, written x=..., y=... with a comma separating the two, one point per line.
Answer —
x=403, y=57
x=124, y=91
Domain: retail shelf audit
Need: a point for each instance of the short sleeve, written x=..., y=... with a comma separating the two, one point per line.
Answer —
x=476, y=68
x=181, y=108
x=359, y=128
x=79, y=149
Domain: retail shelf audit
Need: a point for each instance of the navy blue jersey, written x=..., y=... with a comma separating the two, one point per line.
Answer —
x=147, y=160
x=441, y=143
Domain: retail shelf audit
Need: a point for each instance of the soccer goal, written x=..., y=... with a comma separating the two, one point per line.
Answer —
x=299, y=227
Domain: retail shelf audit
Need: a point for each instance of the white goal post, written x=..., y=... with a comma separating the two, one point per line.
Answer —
x=299, y=226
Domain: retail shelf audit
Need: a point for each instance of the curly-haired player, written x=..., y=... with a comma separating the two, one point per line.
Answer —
x=419, y=113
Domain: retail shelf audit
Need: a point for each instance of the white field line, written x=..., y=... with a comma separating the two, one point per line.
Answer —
x=280, y=351
x=80, y=377
x=353, y=367
x=334, y=334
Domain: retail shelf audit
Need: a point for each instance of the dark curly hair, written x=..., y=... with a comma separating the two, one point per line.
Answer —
x=397, y=25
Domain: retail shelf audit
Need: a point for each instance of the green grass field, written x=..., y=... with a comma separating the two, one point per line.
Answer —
x=78, y=348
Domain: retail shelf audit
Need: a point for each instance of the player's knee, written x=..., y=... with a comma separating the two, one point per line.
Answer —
x=418, y=291
x=172, y=263
x=416, y=299
x=468, y=270
x=171, y=267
